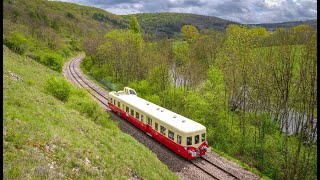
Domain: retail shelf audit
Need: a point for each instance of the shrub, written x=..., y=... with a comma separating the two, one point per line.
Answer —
x=34, y=56
x=80, y=101
x=59, y=88
x=66, y=52
x=17, y=42
x=87, y=63
x=53, y=61
x=154, y=99
x=74, y=44
x=50, y=59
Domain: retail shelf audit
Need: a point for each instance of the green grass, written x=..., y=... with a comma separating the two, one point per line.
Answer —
x=79, y=147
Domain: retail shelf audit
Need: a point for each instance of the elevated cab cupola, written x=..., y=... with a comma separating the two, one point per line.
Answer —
x=130, y=91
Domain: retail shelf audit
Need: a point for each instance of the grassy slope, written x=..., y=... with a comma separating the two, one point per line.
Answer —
x=79, y=147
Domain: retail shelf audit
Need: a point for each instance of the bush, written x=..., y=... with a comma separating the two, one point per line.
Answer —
x=59, y=88
x=66, y=52
x=80, y=101
x=153, y=98
x=74, y=44
x=17, y=42
x=87, y=63
x=97, y=72
x=53, y=61
x=50, y=59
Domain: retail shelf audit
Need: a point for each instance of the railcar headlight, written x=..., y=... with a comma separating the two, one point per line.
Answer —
x=193, y=154
x=204, y=148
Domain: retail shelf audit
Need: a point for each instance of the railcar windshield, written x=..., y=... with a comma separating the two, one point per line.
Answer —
x=132, y=92
x=203, y=137
x=196, y=139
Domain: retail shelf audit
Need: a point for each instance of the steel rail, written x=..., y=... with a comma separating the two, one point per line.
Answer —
x=208, y=173
x=220, y=168
x=71, y=64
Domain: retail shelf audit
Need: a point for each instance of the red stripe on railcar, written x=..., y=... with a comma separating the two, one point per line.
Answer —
x=160, y=137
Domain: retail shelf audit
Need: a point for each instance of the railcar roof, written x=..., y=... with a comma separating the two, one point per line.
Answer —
x=181, y=123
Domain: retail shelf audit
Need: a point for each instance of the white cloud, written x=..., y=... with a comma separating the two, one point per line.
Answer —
x=273, y=3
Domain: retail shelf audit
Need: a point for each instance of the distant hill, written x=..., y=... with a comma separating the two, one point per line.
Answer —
x=273, y=26
x=170, y=23
x=65, y=20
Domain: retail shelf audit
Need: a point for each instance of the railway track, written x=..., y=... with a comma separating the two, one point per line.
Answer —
x=210, y=169
x=205, y=171
x=220, y=168
x=77, y=78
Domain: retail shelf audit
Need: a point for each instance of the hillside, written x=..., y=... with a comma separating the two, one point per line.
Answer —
x=45, y=30
x=169, y=24
x=46, y=138
x=65, y=19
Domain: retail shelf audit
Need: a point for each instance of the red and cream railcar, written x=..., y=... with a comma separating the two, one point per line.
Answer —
x=180, y=134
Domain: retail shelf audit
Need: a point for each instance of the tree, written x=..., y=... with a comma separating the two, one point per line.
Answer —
x=205, y=49
x=181, y=56
x=120, y=54
x=134, y=25
x=91, y=44
x=190, y=32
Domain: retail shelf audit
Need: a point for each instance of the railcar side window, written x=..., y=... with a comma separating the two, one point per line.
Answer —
x=156, y=126
x=127, y=109
x=178, y=139
x=196, y=139
x=114, y=101
x=189, y=140
x=150, y=121
x=137, y=115
x=171, y=135
x=141, y=118
x=203, y=137
x=111, y=100
x=118, y=104
x=162, y=130
x=132, y=112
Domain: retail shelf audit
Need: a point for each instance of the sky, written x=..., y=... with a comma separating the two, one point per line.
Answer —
x=242, y=11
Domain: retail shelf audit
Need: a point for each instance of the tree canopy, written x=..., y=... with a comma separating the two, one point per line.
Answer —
x=190, y=32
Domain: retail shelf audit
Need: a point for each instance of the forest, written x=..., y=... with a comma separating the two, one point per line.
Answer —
x=255, y=90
